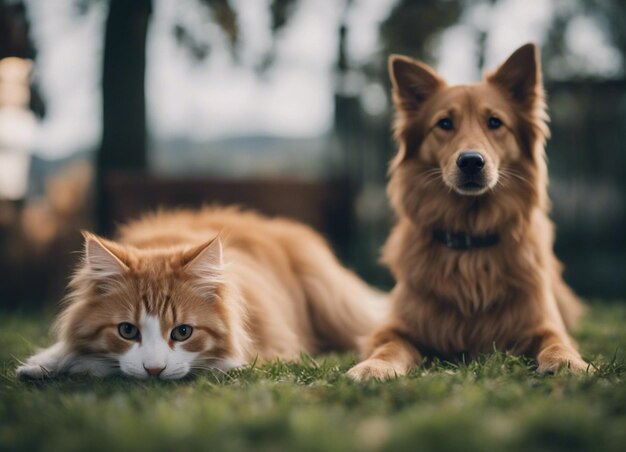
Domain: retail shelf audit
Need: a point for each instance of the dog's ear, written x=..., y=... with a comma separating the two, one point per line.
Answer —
x=520, y=75
x=412, y=82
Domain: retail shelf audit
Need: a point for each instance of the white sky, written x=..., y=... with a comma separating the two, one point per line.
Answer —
x=217, y=99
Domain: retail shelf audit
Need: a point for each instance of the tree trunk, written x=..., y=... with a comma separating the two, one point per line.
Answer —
x=123, y=144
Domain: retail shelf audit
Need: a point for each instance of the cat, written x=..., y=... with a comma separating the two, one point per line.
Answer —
x=184, y=291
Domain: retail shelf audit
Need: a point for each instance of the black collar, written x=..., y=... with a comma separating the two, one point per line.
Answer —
x=462, y=241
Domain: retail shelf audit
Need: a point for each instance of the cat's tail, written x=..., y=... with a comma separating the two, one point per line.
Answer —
x=343, y=308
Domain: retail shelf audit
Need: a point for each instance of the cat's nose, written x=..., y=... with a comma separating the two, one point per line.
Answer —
x=154, y=371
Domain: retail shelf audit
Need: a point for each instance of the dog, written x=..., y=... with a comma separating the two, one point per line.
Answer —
x=472, y=248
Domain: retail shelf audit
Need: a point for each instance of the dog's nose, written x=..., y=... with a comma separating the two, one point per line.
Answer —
x=154, y=371
x=470, y=162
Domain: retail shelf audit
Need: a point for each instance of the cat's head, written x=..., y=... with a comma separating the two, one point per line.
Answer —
x=152, y=312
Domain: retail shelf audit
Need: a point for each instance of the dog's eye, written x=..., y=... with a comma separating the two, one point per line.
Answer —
x=494, y=123
x=445, y=124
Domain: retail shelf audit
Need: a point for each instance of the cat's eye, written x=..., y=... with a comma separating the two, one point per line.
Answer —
x=181, y=333
x=445, y=124
x=128, y=331
x=494, y=123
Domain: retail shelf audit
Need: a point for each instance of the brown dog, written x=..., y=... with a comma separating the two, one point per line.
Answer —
x=472, y=248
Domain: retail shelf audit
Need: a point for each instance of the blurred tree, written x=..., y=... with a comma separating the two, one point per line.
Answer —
x=611, y=13
x=15, y=42
x=412, y=28
x=610, y=17
x=588, y=148
x=123, y=145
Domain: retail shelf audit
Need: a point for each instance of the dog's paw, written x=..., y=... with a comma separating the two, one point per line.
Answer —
x=374, y=369
x=31, y=372
x=551, y=362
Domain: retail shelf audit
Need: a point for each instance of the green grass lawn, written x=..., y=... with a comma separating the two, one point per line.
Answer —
x=496, y=403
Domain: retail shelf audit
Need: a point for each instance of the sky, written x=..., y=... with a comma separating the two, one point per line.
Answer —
x=217, y=99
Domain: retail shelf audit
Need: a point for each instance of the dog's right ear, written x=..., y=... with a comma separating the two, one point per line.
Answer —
x=412, y=81
x=412, y=84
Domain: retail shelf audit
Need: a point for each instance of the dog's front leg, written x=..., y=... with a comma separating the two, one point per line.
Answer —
x=556, y=350
x=391, y=355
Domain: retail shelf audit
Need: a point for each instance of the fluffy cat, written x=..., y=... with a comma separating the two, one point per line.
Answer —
x=183, y=291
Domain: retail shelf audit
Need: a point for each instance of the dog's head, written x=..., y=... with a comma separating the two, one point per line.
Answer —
x=471, y=138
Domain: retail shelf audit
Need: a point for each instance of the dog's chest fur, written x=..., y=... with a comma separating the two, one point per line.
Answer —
x=465, y=301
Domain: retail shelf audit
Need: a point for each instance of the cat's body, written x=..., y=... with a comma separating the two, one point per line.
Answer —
x=168, y=297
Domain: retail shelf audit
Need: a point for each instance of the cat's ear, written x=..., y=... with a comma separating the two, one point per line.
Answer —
x=104, y=258
x=205, y=261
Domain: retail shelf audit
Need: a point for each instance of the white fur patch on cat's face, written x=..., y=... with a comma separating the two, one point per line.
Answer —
x=154, y=352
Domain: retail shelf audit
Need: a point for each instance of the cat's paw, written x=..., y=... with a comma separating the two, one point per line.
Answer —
x=550, y=361
x=374, y=369
x=32, y=372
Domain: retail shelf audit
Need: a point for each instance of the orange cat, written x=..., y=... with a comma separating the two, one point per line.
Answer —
x=183, y=291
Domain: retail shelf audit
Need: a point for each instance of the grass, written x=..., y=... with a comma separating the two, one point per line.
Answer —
x=496, y=403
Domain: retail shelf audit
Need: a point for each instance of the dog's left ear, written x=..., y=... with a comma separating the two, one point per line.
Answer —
x=520, y=75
